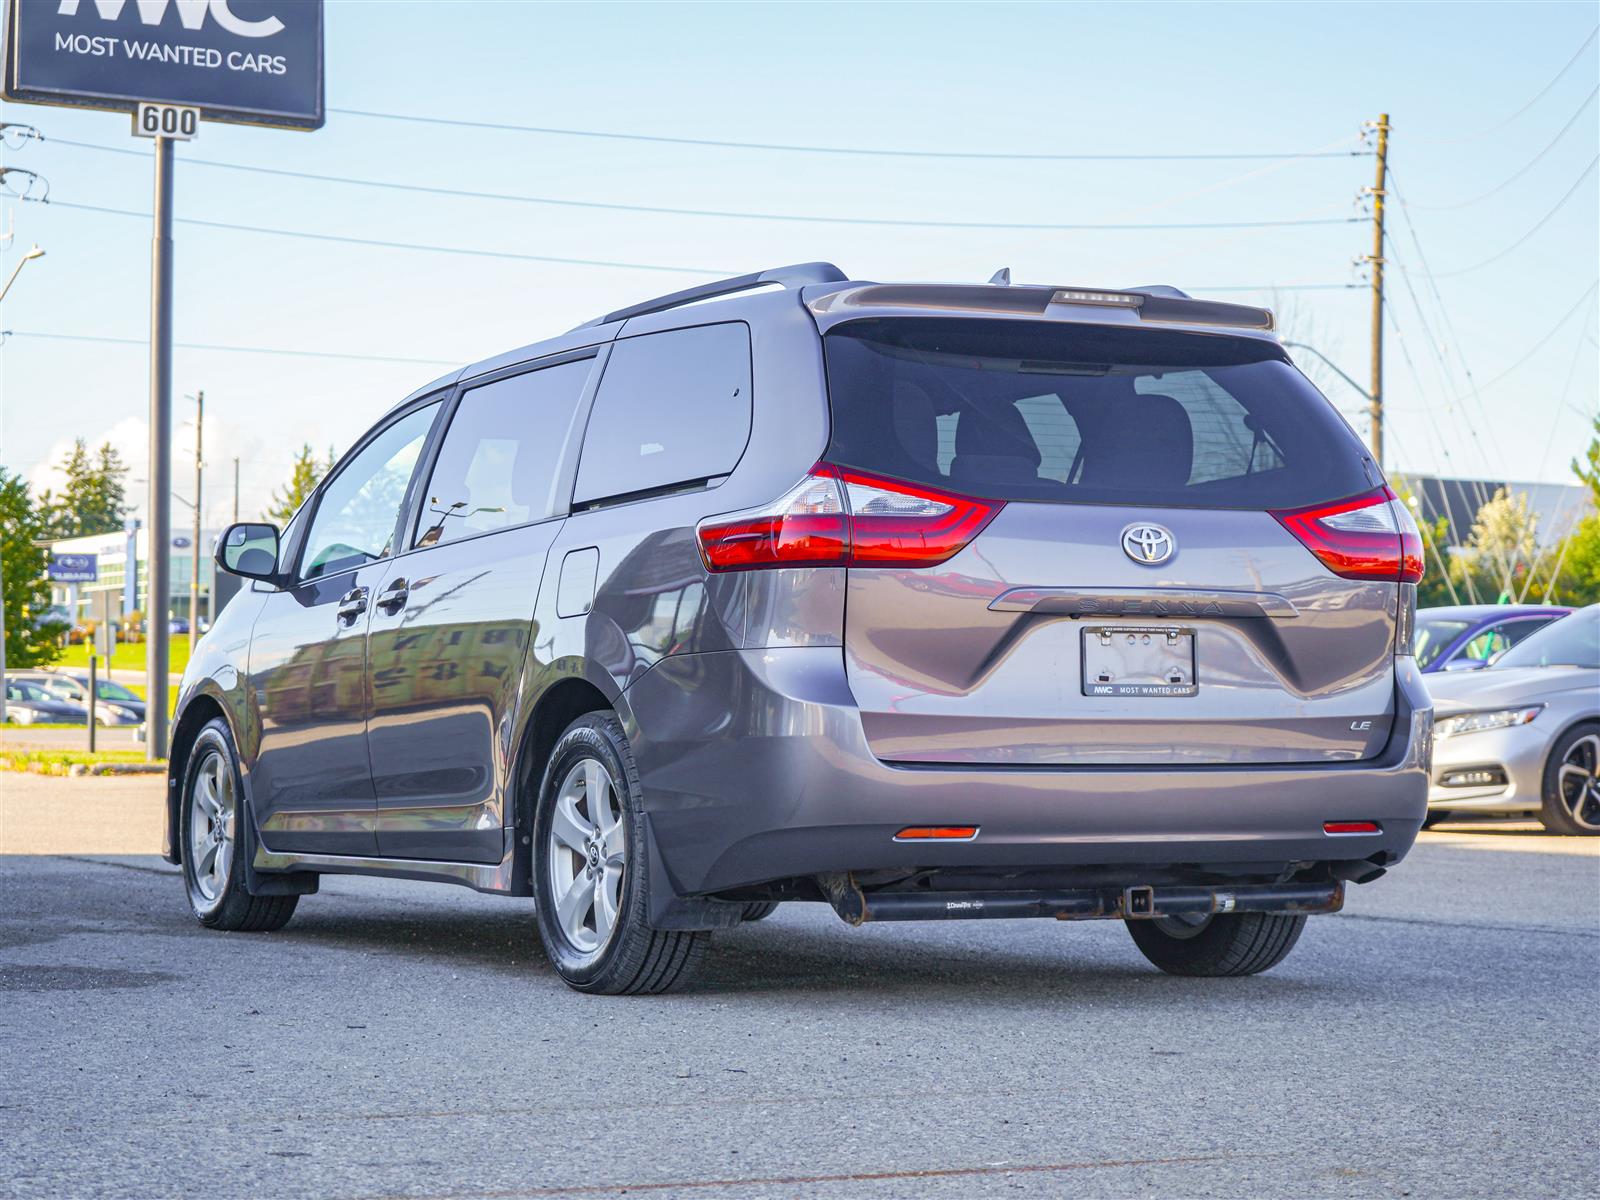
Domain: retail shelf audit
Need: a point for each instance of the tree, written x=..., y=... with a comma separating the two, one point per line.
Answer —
x=94, y=497
x=1588, y=469
x=1504, y=541
x=303, y=478
x=31, y=640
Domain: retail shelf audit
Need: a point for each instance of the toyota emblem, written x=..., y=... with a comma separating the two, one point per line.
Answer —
x=1148, y=545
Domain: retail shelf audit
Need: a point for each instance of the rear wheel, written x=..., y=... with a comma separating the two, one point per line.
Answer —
x=759, y=910
x=588, y=845
x=213, y=832
x=1571, y=791
x=1217, y=944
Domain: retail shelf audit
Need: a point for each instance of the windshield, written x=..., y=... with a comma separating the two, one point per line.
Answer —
x=1433, y=637
x=1036, y=410
x=114, y=691
x=1572, y=641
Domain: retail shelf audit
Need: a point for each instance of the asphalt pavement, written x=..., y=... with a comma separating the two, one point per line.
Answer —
x=400, y=1039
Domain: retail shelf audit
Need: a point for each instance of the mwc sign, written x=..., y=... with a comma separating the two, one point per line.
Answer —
x=255, y=62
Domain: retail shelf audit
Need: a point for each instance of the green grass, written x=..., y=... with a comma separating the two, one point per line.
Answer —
x=61, y=762
x=129, y=656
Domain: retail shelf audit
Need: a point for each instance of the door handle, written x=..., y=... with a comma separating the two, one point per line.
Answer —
x=393, y=598
x=352, y=604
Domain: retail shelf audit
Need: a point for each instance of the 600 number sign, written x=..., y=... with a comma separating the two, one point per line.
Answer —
x=166, y=120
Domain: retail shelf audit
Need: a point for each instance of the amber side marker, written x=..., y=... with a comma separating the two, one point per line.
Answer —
x=1351, y=827
x=955, y=833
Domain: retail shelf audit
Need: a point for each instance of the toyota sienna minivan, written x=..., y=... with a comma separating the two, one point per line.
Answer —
x=921, y=601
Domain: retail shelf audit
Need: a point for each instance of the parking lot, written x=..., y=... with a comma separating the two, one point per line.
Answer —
x=1435, y=1039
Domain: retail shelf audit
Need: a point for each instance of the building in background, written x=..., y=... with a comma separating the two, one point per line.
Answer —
x=124, y=591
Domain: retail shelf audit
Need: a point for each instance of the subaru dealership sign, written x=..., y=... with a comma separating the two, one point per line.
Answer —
x=257, y=62
x=74, y=568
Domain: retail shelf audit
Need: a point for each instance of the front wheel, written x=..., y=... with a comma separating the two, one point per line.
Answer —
x=588, y=848
x=1571, y=791
x=213, y=832
x=1217, y=944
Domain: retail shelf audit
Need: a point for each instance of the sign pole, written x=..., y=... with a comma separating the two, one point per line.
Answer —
x=157, y=626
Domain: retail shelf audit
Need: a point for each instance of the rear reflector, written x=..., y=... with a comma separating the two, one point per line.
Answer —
x=1371, y=536
x=838, y=516
x=955, y=833
x=1351, y=827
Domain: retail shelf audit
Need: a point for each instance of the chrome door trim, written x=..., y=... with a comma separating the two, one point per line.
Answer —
x=1145, y=602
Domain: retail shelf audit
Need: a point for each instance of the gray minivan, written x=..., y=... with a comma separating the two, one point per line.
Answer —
x=923, y=601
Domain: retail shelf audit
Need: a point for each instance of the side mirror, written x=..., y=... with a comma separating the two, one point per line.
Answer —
x=250, y=550
x=1465, y=664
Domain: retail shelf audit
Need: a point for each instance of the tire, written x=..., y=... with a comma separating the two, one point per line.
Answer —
x=212, y=829
x=1436, y=816
x=1224, y=944
x=759, y=910
x=588, y=849
x=1570, y=792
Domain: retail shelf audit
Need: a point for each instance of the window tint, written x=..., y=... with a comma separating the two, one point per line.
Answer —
x=498, y=457
x=1024, y=410
x=673, y=408
x=357, y=510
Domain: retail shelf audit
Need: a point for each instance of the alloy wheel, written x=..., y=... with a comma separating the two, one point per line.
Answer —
x=588, y=854
x=213, y=819
x=1578, y=781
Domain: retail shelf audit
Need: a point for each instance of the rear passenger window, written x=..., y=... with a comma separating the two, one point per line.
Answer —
x=673, y=409
x=498, y=458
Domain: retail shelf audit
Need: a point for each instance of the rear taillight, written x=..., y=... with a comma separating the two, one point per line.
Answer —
x=842, y=517
x=1371, y=536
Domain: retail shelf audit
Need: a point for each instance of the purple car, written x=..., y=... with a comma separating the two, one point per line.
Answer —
x=1465, y=637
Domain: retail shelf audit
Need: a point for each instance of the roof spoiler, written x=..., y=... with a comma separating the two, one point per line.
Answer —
x=794, y=276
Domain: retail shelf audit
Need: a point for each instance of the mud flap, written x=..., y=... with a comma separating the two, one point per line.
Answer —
x=666, y=909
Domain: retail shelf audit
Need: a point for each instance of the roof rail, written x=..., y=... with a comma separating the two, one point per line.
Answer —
x=797, y=275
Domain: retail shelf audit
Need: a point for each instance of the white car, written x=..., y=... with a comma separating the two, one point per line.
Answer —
x=1523, y=735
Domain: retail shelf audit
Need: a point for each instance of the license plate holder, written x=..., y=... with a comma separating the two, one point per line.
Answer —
x=1139, y=660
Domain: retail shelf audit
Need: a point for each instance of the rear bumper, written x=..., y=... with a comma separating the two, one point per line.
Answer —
x=755, y=768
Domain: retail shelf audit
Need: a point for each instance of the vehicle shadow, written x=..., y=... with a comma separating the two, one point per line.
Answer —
x=797, y=955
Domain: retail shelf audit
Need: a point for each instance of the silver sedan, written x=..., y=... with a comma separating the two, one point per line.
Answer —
x=1523, y=736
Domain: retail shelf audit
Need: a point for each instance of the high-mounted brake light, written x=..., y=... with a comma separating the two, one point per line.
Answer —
x=837, y=516
x=1110, y=299
x=1370, y=536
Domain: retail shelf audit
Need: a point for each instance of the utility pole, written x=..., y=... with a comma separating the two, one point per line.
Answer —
x=159, y=509
x=235, y=491
x=194, y=548
x=1379, y=195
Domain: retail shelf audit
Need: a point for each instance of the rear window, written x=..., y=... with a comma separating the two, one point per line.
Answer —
x=1023, y=410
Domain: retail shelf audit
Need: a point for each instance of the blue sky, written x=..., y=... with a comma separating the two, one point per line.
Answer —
x=1092, y=78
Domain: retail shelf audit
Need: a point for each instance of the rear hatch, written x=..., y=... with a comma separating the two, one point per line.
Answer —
x=1144, y=546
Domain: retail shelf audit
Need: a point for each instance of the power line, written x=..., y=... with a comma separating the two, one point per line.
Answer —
x=144, y=343
x=507, y=254
x=785, y=147
x=386, y=245
x=718, y=214
x=1571, y=62
x=1553, y=330
x=1538, y=225
x=1516, y=175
